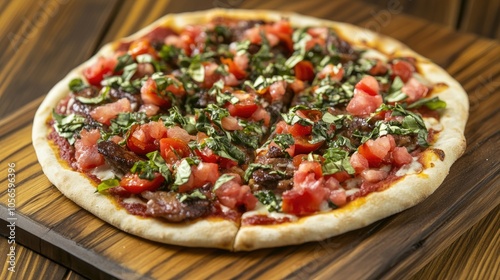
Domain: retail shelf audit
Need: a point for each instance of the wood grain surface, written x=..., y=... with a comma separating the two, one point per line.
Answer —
x=54, y=228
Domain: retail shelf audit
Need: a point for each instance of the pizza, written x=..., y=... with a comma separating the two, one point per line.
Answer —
x=241, y=130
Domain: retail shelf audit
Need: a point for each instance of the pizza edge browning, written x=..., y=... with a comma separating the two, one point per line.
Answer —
x=227, y=234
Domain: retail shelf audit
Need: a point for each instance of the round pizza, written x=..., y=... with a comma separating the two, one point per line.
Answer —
x=243, y=129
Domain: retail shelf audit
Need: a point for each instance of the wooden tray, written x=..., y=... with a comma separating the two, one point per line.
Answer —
x=55, y=227
x=397, y=246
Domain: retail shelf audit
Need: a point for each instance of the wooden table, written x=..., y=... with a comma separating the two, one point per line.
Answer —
x=453, y=234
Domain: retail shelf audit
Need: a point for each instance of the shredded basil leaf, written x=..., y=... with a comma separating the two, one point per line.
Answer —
x=107, y=184
x=103, y=95
x=269, y=199
x=183, y=173
x=252, y=167
x=336, y=160
x=433, y=103
x=77, y=85
x=395, y=93
x=222, y=180
x=68, y=126
x=196, y=194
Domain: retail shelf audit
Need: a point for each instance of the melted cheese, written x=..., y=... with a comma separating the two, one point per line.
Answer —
x=103, y=172
x=371, y=53
x=260, y=209
x=133, y=199
x=433, y=123
x=414, y=167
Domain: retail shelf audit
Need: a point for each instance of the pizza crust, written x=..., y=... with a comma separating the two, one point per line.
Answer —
x=226, y=234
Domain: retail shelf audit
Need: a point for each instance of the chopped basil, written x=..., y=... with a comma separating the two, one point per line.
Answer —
x=262, y=82
x=395, y=93
x=300, y=38
x=123, y=123
x=221, y=146
x=222, y=180
x=433, y=103
x=77, y=85
x=196, y=70
x=123, y=61
x=252, y=167
x=269, y=199
x=103, y=96
x=336, y=160
x=107, y=184
x=292, y=118
x=68, y=126
x=196, y=194
x=183, y=173
x=159, y=162
x=284, y=141
x=242, y=47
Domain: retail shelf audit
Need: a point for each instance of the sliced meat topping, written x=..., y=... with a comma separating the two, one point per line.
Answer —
x=117, y=157
x=166, y=205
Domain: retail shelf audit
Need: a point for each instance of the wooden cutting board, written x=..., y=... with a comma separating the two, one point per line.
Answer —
x=54, y=226
x=399, y=245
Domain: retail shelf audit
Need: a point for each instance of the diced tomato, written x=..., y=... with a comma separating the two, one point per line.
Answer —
x=226, y=163
x=358, y=162
x=179, y=133
x=298, y=159
x=403, y=69
x=211, y=76
x=375, y=150
x=146, y=138
x=230, y=123
x=414, y=90
x=313, y=115
x=297, y=86
x=369, y=85
x=304, y=70
x=105, y=113
x=336, y=73
x=306, y=168
x=173, y=149
x=308, y=192
x=262, y=115
x=141, y=46
x=338, y=197
x=102, y=68
x=302, y=145
x=234, y=68
x=298, y=130
x=277, y=90
x=86, y=154
x=207, y=155
x=378, y=69
x=342, y=176
x=363, y=103
x=242, y=109
x=149, y=109
x=234, y=195
x=374, y=175
x=133, y=184
x=201, y=174
x=151, y=95
x=400, y=156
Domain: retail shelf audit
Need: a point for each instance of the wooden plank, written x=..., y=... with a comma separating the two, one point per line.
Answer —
x=481, y=17
x=445, y=12
x=34, y=33
x=485, y=261
x=28, y=264
x=406, y=240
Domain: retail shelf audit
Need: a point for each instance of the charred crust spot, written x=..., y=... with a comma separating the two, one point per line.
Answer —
x=439, y=153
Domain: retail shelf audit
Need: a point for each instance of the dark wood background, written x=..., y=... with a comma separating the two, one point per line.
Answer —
x=481, y=17
x=44, y=39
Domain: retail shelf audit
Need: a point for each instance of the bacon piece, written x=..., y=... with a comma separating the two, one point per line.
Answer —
x=116, y=156
x=105, y=113
x=86, y=153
